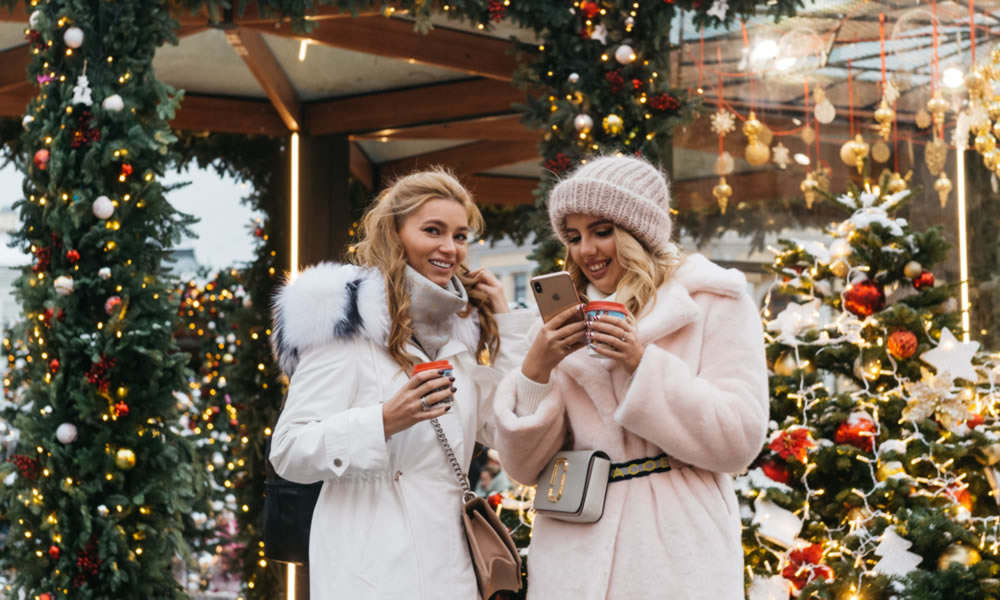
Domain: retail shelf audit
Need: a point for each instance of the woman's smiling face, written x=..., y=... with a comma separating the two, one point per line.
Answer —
x=435, y=239
x=592, y=247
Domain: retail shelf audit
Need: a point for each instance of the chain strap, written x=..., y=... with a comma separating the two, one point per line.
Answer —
x=463, y=480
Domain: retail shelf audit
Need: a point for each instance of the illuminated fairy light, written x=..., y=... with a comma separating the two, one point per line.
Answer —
x=294, y=195
x=302, y=50
x=291, y=581
x=963, y=250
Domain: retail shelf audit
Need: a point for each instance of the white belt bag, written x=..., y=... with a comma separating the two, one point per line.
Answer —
x=577, y=482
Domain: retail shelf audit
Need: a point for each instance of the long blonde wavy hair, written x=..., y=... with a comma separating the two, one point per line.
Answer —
x=380, y=247
x=645, y=271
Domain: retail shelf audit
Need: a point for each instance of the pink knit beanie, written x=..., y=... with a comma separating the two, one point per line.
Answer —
x=628, y=191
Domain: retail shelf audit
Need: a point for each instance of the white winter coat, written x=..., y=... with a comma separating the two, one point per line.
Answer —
x=387, y=523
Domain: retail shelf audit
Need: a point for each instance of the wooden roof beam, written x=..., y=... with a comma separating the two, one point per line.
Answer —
x=395, y=38
x=465, y=159
x=255, y=52
x=415, y=106
x=228, y=115
x=505, y=128
x=361, y=167
x=501, y=189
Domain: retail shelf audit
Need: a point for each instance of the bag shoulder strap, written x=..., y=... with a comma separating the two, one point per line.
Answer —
x=463, y=479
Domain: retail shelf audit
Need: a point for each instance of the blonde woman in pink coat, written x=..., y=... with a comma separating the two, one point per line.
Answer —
x=682, y=381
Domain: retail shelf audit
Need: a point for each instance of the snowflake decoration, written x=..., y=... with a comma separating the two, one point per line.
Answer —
x=780, y=156
x=933, y=396
x=890, y=92
x=723, y=122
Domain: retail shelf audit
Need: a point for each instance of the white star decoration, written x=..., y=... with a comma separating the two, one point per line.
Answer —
x=600, y=33
x=723, y=122
x=953, y=356
x=794, y=319
x=780, y=156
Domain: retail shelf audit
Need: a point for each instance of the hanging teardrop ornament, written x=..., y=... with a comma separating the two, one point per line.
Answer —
x=922, y=119
x=938, y=106
x=880, y=151
x=722, y=191
x=943, y=187
x=808, y=187
x=884, y=115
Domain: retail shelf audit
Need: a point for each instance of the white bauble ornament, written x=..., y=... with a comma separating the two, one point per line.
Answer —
x=73, y=37
x=825, y=112
x=629, y=22
x=218, y=460
x=35, y=19
x=63, y=285
x=66, y=433
x=583, y=123
x=113, y=103
x=724, y=164
x=103, y=207
x=625, y=54
x=27, y=121
x=104, y=273
x=573, y=78
x=102, y=510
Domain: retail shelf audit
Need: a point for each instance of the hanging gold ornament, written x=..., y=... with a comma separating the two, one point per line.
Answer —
x=938, y=106
x=888, y=469
x=854, y=152
x=613, y=124
x=935, y=155
x=722, y=191
x=996, y=129
x=991, y=158
x=808, y=187
x=989, y=455
x=958, y=554
x=994, y=109
x=943, y=187
x=884, y=115
x=808, y=135
x=766, y=135
x=752, y=127
x=125, y=459
x=985, y=142
x=822, y=176
x=913, y=269
x=922, y=119
x=896, y=184
x=847, y=153
x=975, y=82
x=785, y=364
x=724, y=164
x=757, y=153
x=880, y=151
x=576, y=97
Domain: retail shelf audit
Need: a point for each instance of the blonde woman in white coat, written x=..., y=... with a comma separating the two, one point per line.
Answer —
x=387, y=523
x=678, y=399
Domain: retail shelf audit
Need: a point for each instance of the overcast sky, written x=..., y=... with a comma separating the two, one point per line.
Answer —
x=222, y=237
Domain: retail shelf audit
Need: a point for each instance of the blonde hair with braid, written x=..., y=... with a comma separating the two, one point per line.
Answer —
x=645, y=271
x=380, y=247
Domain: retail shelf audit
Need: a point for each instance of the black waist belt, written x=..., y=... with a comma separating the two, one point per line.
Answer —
x=639, y=467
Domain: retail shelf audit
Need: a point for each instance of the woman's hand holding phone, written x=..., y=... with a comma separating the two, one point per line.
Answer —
x=559, y=337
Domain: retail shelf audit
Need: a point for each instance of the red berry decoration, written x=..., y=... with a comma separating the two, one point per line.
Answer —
x=496, y=9
x=42, y=159
x=864, y=298
x=925, y=279
x=54, y=552
x=112, y=303
x=54, y=365
x=121, y=409
x=590, y=9
x=72, y=256
x=858, y=431
x=776, y=471
x=902, y=344
x=495, y=499
x=126, y=169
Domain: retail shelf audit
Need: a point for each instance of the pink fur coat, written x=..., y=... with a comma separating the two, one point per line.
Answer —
x=700, y=395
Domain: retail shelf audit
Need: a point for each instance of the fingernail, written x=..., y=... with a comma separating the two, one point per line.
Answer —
x=453, y=390
x=450, y=378
x=447, y=408
x=442, y=372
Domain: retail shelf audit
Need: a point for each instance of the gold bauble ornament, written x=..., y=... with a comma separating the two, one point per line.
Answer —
x=722, y=191
x=958, y=554
x=996, y=129
x=766, y=136
x=840, y=268
x=888, y=469
x=922, y=119
x=785, y=364
x=613, y=124
x=752, y=127
x=847, y=153
x=869, y=370
x=935, y=155
x=884, y=115
x=896, y=183
x=125, y=459
x=808, y=187
x=994, y=109
x=938, y=106
x=975, y=83
x=858, y=515
x=757, y=153
x=943, y=187
x=913, y=269
x=991, y=158
x=985, y=142
x=854, y=152
x=880, y=151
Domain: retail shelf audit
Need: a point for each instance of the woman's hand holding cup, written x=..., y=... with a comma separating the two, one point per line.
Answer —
x=425, y=396
x=610, y=335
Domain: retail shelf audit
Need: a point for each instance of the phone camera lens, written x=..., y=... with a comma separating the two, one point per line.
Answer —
x=538, y=287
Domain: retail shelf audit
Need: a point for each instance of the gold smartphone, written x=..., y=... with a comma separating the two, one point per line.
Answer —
x=554, y=293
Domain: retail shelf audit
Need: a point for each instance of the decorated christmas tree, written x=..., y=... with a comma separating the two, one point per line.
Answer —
x=877, y=479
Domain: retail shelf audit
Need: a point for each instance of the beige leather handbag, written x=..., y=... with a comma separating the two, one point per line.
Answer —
x=577, y=484
x=495, y=557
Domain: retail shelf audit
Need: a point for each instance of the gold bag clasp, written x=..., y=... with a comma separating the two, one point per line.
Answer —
x=563, y=465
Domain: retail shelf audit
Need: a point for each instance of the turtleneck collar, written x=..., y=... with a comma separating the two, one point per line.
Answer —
x=433, y=308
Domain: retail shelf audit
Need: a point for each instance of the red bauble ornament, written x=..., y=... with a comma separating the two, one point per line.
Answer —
x=112, y=303
x=45, y=596
x=72, y=256
x=590, y=9
x=776, y=471
x=804, y=565
x=126, y=169
x=975, y=421
x=259, y=232
x=902, y=344
x=121, y=409
x=495, y=499
x=925, y=279
x=858, y=431
x=42, y=159
x=864, y=298
x=54, y=552
x=54, y=365
x=636, y=83
x=47, y=316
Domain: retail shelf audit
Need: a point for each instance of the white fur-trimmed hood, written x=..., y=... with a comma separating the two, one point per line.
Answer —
x=334, y=300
